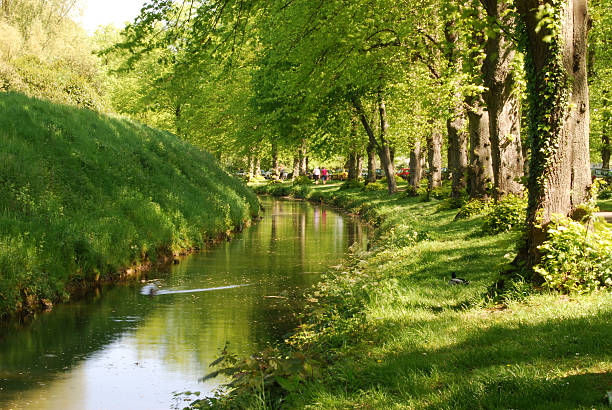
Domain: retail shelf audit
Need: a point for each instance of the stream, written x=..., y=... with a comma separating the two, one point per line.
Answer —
x=121, y=349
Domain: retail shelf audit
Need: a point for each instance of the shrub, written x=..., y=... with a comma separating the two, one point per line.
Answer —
x=452, y=203
x=302, y=191
x=375, y=186
x=471, y=208
x=507, y=214
x=352, y=184
x=575, y=259
x=404, y=235
x=302, y=180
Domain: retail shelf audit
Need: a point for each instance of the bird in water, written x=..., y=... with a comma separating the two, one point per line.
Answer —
x=149, y=290
x=457, y=281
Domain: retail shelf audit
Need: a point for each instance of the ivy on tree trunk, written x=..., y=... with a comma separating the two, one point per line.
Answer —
x=554, y=38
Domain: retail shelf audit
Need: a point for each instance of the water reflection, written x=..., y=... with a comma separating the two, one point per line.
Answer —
x=120, y=349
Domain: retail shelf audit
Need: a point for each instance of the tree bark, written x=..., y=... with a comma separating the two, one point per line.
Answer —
x=258, y=166
x=275, y=160
x=480, y=170
x=251, y=166
x=416, y=165
x=434, y=153
x=373, y=145
x=457, y=138
x=296, y=166
x=353, y=159
x=384, y=152
x=457, y=153
x=503, y=106
x=302, y=155
x=559, y=177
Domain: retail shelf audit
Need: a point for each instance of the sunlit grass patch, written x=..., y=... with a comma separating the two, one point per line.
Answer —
x=83, y=195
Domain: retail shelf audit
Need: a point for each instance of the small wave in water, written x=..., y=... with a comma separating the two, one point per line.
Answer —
x=152, y=290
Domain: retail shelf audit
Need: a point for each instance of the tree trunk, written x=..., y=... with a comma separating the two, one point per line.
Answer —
x=275, y=160
x=434, y=153
x=457, y=138
x=457, y=153
x=258, y=167
x=503, y=106
x=384, y=152
x=296, y=166
x=251, y=166
x=480, y=170
x=416, y=165
x=559, y=177
x=371, y=163
x=605, y=134
x=372, y=143
x=352, y=165
x=302, y=152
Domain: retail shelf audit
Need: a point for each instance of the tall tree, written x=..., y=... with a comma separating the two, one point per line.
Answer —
x=555, y=43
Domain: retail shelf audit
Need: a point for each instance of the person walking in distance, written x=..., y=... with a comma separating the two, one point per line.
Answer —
x=316, y=175
x=324, y=174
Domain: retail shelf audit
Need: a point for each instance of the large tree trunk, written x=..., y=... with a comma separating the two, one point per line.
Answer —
x=480, y=170
x=457, y=138
x=416, y=165
x=503, y=106
x=384, y=152
x=559, y=177
x=353, y=160
x=258, y=167
x=434, y=154
x=457, y=153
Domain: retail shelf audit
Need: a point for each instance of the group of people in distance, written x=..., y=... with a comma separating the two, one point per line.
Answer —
x=320, y=174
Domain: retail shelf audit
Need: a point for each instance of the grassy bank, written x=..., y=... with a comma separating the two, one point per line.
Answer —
x=83, y=195
x=386, y=330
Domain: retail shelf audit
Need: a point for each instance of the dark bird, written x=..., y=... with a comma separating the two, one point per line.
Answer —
x=148, y=290
x=457, y=281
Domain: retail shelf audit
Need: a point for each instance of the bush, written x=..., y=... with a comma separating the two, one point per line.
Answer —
x=352, y=184
x=375, y=186
x=404, y=235
x=452, y=203
x=507, y=214
x=302, y=180
x=472, y=208
x=302, y=191
x=575, y=259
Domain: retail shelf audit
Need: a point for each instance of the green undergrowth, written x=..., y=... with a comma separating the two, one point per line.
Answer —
x=83, y=195
x=386, y=330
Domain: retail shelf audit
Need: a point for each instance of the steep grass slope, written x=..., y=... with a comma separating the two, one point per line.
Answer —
x=83, y=195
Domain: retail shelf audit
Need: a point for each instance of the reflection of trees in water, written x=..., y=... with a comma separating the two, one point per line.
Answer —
x=277, y=255
x=60, y=340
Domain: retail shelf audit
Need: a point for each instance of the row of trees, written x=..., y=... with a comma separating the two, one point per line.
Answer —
x=492, y=88
x=502, y=84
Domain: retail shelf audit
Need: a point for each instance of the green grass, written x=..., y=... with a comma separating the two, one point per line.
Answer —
x=83, y=195
x=389, y=332
x=605, y=205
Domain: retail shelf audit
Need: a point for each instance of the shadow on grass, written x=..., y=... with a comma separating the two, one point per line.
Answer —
x=558, y=363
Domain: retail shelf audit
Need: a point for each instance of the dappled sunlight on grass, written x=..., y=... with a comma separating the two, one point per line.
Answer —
x=397, y=335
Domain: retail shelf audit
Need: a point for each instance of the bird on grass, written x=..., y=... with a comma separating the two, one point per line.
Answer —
x=457, y=281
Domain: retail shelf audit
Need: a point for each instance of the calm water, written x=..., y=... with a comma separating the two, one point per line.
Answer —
x=119, y=349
